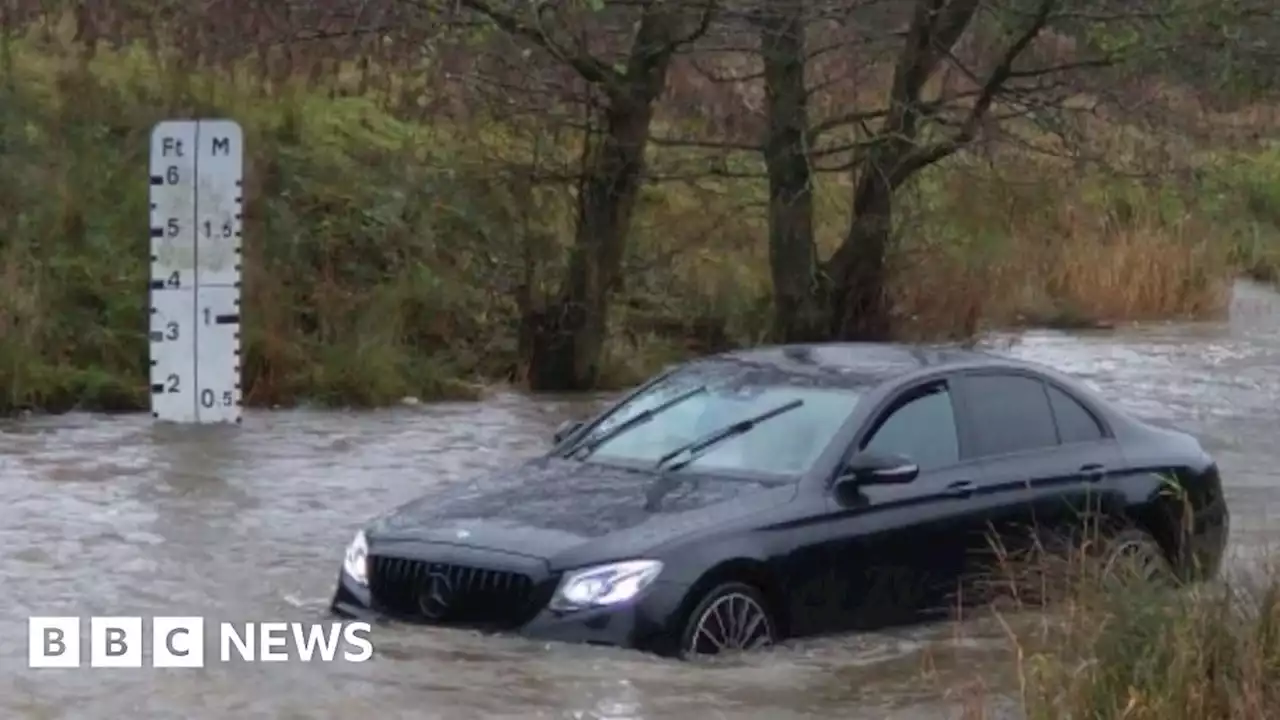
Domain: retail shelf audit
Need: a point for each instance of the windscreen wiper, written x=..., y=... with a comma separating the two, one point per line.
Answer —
x=640, y=418
x=701, y=445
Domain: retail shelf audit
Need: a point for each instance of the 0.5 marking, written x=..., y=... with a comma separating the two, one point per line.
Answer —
x=207, y=398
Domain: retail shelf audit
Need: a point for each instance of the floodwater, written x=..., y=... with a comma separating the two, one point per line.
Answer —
x=115, y=516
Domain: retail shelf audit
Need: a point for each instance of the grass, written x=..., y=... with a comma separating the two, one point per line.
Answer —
x=1145, y=653
x=385, y=249
x=1133, y=648
x=1209, y=654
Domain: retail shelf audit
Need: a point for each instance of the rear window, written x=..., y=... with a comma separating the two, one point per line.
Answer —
x=1010, y=413
x=1075, y=423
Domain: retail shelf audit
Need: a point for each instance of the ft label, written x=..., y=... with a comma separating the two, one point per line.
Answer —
x=171, y=147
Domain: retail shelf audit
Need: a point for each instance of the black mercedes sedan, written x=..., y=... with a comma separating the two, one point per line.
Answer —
x=758, y=495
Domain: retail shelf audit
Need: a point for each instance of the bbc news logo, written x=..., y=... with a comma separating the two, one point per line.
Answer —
x=179, y=642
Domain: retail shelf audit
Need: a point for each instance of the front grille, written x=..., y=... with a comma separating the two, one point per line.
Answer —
x=445, y=594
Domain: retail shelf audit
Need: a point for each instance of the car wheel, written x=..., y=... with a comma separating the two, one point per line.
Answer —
x=1134, y=555
x=733, y=617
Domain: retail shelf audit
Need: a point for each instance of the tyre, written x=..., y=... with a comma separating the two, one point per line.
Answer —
x=1133, y=555
x=732, y=617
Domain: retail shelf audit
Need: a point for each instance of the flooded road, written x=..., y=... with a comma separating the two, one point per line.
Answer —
x=116, y=516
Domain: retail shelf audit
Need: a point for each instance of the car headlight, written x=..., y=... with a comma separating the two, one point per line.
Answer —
x=356, y=564
x=604, y=584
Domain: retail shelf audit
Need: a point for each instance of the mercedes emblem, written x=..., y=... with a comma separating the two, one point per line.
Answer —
x=435, y=596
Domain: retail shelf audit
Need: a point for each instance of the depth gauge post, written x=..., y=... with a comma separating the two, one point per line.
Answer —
x=197, y=176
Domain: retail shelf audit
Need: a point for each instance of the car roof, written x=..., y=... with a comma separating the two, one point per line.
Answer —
x=855, y=363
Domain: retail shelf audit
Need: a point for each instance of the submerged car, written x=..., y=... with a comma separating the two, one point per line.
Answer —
x=749, y=497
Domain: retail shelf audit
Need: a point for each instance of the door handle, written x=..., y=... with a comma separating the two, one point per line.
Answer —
x=1093, y=472
x=961, y=488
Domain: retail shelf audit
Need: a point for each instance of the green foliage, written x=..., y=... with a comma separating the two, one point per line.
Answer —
x=383, y=257
x=385, y=252
x=1146, y=653
x=355, y=224
x=1241, y=192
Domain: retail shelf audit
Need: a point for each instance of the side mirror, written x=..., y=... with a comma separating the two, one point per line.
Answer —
x=869, y=468
x=567, y=428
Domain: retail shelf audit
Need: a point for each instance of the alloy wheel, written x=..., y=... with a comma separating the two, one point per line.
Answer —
x=1137, y=559
x=733, y=622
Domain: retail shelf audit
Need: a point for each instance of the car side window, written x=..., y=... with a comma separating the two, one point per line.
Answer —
x=1010, y=413
x=1075, y=423
x=923, y=429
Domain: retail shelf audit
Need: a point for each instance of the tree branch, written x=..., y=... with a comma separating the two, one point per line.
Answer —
x=704, y=24
x=923, y=157
x=591, y=68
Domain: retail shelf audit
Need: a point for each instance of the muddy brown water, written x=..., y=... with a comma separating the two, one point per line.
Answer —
x=116, y=516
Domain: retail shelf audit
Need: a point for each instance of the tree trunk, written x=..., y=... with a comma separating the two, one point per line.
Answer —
x=792, y=256
x=569, y=336
x=858, y=302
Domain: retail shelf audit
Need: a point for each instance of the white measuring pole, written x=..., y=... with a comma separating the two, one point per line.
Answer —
x=197, y=170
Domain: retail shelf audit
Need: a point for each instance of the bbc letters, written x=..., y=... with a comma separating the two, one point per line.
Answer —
x=180, y=642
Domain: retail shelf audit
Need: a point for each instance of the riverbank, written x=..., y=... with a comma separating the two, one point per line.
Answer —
x=1147, y=652
x=384, y=254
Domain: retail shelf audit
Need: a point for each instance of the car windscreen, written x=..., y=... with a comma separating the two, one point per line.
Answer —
x=688, y=408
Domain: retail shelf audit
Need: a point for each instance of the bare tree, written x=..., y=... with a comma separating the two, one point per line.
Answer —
x=963, y=71
x=568, y=334
x=792, y=252
x=1023, y=83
